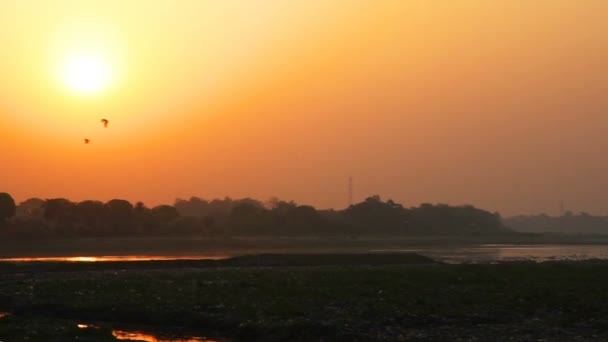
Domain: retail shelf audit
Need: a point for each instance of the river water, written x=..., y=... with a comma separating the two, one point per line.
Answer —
x=148, y=337
x=137, y=335
x=505, y=252
x=459, y=254
x=100, y=258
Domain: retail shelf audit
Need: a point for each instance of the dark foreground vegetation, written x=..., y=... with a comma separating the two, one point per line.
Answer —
x=61, y=218
x=330, y=297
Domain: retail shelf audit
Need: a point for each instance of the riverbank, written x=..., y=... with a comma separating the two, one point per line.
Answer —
x=329, y=297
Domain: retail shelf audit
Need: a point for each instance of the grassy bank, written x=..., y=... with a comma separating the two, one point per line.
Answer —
x=330, y=297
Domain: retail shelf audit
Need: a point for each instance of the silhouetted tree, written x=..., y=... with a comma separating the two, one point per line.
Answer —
x=32, y=208
x=119, y=215
x=143, y=222
x=7, y=206
x=194, y=207
x=59, y=212
x=245, y=209
x=91, y=214
x=298, y=219
x=569, y=223
x=281, y=211
x=139, y=207
x=450, y=220
x=220, y=207
x=249, y=217
x=164, y=213
x=58, y=209
x=380, y=216
x=208, y=221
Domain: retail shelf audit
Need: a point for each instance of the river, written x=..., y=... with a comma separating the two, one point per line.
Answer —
x=449, y=254
x=507, y=252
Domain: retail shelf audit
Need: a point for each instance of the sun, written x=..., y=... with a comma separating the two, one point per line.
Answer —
x=85, y=72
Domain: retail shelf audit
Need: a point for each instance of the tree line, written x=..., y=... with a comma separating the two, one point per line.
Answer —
x=60, y=217
x=567, y=223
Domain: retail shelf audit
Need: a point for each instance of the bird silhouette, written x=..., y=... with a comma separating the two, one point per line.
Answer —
x=86, y=141
x=105, y=122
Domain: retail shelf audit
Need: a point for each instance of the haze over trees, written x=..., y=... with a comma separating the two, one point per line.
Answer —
x=60, y=217
x=568, y=223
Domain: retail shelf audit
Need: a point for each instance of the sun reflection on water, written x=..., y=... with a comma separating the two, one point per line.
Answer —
x=117, y=258
x=141, y=336
x=138, y=336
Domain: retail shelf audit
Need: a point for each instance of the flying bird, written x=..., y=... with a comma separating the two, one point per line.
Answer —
x=105, y=122
x=86, y=141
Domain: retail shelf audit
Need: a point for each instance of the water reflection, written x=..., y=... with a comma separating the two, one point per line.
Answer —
x=498, y=252
x=147, y=337
x=118, y=258
x=454, y=254
x=139, y=336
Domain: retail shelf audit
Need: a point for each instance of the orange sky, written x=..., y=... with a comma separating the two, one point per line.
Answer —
x=501, y=104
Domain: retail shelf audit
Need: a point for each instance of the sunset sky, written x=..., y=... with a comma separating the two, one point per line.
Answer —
x=502, y=104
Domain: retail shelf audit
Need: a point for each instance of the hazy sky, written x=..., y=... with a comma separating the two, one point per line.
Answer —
x=502, y=104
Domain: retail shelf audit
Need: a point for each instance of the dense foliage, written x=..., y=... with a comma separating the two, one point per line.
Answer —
x=60, y=217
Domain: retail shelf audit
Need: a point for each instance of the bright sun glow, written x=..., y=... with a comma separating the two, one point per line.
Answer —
x=86, y=73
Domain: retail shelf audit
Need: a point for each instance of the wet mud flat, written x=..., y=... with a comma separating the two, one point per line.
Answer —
x=329, y=297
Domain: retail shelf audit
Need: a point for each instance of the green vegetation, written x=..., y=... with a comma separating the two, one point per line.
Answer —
x=341, y=298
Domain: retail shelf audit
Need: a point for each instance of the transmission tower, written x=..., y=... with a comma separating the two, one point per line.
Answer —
x=350, y=191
